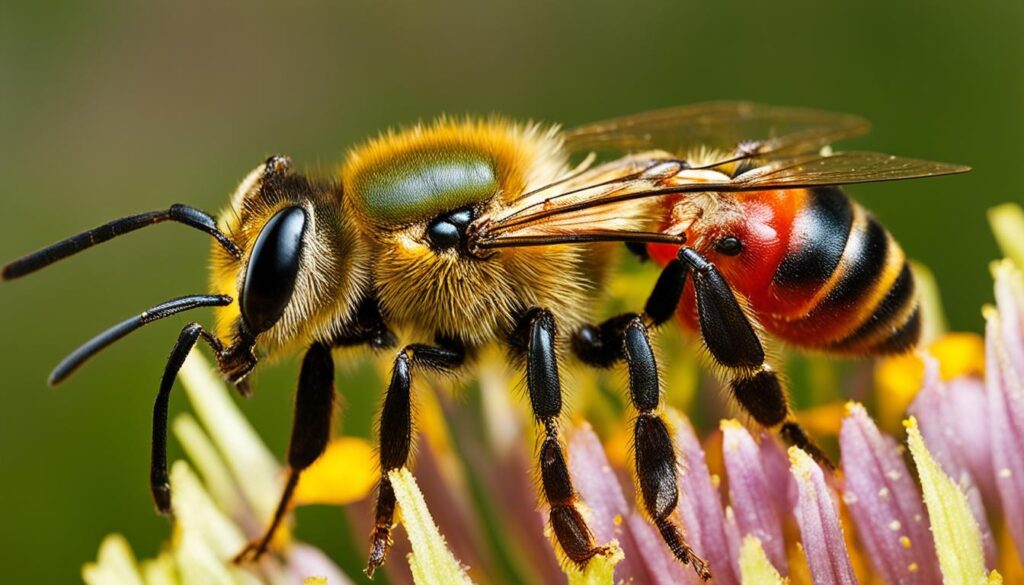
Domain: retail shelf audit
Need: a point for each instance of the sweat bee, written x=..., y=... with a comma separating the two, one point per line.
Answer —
x=447, y=237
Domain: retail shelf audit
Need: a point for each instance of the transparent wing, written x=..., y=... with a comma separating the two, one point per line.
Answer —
x=838, y=168
x=722, y=126
x=608, y=203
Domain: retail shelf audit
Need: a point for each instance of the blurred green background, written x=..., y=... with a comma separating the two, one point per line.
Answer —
x=110, y=108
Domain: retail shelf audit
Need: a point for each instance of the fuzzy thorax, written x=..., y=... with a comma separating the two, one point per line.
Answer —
x=449, y=293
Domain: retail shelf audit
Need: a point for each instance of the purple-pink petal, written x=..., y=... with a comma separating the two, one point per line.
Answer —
x=700, y=505
x=308, y=561
x=818, y=520
x=1006, y=422
x=885, y=503
x=750, y=493
x=657, y=565
x=948, y=416
x=776, y=470
x=647, y=559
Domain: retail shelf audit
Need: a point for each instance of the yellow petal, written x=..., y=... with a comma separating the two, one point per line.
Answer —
x=755, y=568
x=253, y=466
x=933, y=318
x=115, y=564
x=345, y=473
x=599, y=571
x=959, y=354
x=430, y=560
x=1007, y=222
x=956, y=533
x=897, y=380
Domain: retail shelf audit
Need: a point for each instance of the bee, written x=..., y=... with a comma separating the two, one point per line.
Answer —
x=464, y=233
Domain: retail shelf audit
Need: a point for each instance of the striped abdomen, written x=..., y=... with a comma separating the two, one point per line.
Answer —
x=817, y=270
x=843, y=283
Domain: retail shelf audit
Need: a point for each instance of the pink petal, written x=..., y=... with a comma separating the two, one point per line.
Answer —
x=307, y=561
x=648, y=559
x=820, y=532
x=750, y=493
x=951, y=431
x=1006, y=422
x=700, y=505
x=658, y=564
x=776, y=471
x=885, y=503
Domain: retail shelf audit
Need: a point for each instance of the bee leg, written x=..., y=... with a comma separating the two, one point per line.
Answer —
x=538, y=331
x=734, y=343
x=601, y=345
x=311, y=431
x=654, y=453
x=159, y=482
x=395, y=436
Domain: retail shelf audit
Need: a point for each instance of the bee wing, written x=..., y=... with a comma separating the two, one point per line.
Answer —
x=838, y=168
x=608, y=204
x=745, y=128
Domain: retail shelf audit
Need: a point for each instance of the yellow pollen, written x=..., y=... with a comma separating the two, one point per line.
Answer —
x=912, y=567
x=617, y=520
x=905, y=542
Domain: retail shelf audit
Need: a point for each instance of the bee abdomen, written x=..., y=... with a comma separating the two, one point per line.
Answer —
x=820, y=232
x=862, y=298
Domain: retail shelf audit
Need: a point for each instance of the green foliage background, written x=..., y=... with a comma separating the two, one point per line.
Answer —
x=109, y=108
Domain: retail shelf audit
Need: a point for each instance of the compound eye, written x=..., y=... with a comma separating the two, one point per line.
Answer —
x=729, y=245
x=272, y=270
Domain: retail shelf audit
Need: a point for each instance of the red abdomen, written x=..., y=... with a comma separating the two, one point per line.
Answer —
x=816, y=270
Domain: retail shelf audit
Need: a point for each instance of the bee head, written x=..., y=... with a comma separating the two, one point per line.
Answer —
x=287, y=268
x=302, y=268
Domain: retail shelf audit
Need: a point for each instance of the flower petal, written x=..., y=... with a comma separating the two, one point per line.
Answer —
x=948, y=415
x=1007, y=221
x=755, y=568
x=430, y=560
x=816, y=515
x=252, y=464
x=885, y=503
x=115, y=564
x=700, y=504
x=656, y=565
x=313, y=566
x=600, y=570
x=345, y=473
x=209, y=463
x=1006, y=420
x=610, y=517
x=751, y=500
x=954, y=529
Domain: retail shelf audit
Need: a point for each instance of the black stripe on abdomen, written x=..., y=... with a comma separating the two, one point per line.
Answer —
x=820, y=230
x=892, y=326
x=865, y=262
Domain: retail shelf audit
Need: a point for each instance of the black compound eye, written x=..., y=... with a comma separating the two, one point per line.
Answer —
x=443, y=234
x=729, y=245
x=273, y=268
x=446, y=231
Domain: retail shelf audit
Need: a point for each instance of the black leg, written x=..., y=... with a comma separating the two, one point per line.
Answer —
x=728, y=334
x=311, y=431
x=159, y=483
x=545, y=389
x=654, y=453
x=396, y=436
x=733, y=342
